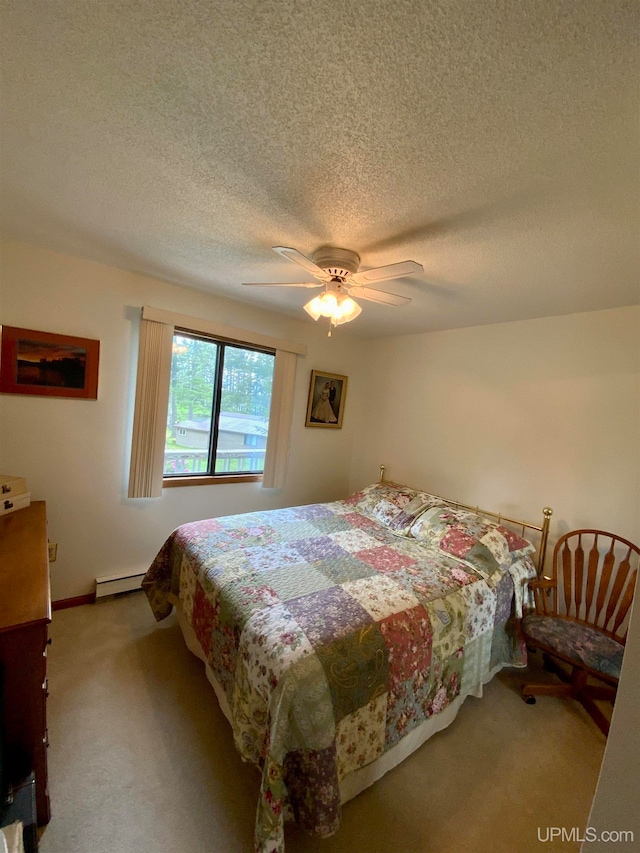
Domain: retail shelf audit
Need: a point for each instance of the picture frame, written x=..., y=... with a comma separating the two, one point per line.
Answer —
x=327, y=395
x=48, y=364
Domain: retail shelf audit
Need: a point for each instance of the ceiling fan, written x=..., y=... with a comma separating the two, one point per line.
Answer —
x=336, y=270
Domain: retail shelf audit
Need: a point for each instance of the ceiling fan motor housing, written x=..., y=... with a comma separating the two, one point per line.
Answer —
x=337, y=262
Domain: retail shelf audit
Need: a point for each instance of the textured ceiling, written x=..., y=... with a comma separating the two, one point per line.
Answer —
x=494, y=142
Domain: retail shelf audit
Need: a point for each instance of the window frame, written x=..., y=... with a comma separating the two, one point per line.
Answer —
x=149, y=427
x=208, y=479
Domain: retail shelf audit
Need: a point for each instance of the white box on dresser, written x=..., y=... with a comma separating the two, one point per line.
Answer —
x=11, y=486
x=10, y=503
x=13, y=494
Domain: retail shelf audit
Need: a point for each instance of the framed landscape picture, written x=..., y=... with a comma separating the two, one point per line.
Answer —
x=47, y=364
x=327, y=393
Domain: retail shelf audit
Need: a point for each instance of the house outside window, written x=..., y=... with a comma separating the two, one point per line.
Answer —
x=219, y=403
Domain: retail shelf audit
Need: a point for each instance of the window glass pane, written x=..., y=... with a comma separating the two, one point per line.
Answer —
x=193, y=370
x=243, y=421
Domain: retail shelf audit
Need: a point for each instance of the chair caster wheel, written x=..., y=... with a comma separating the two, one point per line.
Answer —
x=530, y=700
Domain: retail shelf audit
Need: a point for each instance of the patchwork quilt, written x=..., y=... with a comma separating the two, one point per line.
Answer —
x=334, y=632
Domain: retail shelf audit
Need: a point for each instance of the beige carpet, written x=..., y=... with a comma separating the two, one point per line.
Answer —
x=142, y=759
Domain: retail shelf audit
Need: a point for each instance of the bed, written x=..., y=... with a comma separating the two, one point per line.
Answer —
x=340, y=636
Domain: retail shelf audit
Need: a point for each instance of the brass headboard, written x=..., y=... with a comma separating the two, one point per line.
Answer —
x=542, y=529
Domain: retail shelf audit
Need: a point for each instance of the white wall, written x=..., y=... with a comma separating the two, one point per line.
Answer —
x=75, y=453
x=515, y=416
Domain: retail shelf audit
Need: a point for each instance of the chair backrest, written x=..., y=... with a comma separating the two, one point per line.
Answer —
x=595, y=574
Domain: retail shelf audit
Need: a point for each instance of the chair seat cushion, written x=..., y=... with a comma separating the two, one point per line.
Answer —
x=577, y=642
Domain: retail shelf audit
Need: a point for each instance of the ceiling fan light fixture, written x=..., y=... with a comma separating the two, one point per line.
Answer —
x=313, y=308
x=347, y=311
x=339, y=307
x=325, y=305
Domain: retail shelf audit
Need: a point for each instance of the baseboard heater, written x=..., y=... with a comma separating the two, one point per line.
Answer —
x=112, y=584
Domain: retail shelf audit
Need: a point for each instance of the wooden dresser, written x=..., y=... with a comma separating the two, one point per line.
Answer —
x=25, y=612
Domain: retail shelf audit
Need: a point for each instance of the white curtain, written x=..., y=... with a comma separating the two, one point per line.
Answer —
x=275, y=462
x=150, y=414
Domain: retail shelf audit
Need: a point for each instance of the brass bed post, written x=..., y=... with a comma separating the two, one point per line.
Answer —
x=382, y=470
x=547, y=513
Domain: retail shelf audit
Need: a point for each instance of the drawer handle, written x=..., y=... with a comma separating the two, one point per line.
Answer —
x=8, y=504
x=49, y=641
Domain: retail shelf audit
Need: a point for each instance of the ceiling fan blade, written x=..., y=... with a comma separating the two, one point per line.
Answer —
x=390, y=271
x=380, y=296
x=298, y=258
x=283, y=283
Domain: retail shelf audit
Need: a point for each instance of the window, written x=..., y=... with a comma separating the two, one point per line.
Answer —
x=159, y=331
x=219, y=403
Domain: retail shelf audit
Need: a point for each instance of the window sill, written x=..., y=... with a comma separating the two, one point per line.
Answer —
x=172, y=482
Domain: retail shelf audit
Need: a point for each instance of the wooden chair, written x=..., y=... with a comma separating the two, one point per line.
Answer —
x=581, y=616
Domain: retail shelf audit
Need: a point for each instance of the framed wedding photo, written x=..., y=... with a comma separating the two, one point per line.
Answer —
x=47, y=364
x=327, y=393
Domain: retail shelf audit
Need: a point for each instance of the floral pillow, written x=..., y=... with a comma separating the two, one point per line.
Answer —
x=469, y=536
x=395, y=506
